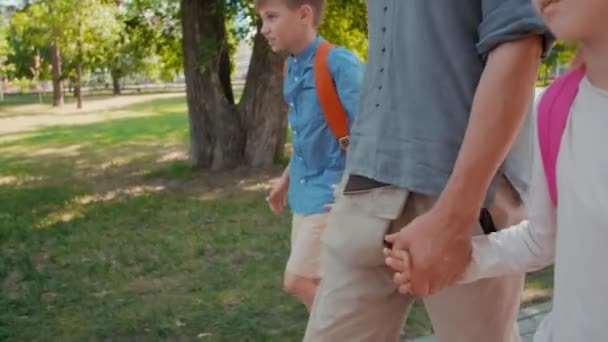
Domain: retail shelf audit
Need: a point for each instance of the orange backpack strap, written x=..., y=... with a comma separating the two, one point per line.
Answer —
x=335, y=115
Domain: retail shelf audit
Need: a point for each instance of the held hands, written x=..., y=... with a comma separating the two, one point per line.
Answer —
x=430, y=253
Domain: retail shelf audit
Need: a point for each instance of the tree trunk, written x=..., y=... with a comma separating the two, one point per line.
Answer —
x=1, y=89
x=57, y=83
x=225, y=76
x=72, y=87
x=263, y=106
x=216, y=135
x=116, y=85
x=78, y=87
x=36, y=71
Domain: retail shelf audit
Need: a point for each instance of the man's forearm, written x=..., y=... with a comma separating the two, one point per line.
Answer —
x=500, y=106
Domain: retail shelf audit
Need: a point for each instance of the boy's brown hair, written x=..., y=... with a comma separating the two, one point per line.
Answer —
x=318, y=6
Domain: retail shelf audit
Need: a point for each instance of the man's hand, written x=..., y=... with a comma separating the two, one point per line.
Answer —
x=277, y=199
x=439, y=248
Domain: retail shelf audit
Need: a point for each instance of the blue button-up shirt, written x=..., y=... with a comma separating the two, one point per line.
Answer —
x=317, y=161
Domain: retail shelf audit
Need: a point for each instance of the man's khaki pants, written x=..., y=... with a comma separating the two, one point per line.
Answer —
x=357, y=300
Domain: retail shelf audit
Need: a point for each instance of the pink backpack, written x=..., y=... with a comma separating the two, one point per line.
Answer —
x=553, y=113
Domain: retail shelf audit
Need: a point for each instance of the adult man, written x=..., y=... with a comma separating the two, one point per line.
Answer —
x=448, y=86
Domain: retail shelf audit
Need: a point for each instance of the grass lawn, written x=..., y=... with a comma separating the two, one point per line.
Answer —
x=106, y=234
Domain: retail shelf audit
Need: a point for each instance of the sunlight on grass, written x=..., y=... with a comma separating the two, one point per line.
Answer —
x=65, y=215
x=19, y=180
x=133, y=191
x=259, y=186
x=65, y=151
x=116, y=162
x=531, y=296
x=77, y=207
x=173, y=156
x=5, y=180
x=26, y=106
x=13, y=137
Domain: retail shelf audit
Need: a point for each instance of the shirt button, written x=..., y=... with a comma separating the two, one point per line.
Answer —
x=385, y=8
x=296, y=78
x=383, y=50
x=377, y=105
x=302, y=181
x=384, y=29
x=379, y=87
x=291, y=104
x=295, y=132
x=381, y=69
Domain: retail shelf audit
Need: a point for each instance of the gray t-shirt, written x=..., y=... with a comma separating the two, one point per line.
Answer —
x=425, y=60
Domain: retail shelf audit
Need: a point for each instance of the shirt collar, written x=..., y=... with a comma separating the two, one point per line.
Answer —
x=310, y=50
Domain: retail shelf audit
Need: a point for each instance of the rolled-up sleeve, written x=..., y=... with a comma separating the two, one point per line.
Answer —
x=508, y=20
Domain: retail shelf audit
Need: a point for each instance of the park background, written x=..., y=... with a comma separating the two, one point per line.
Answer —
x=132, y=212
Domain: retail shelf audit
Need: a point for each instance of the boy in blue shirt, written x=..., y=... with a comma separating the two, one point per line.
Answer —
x=318, y=156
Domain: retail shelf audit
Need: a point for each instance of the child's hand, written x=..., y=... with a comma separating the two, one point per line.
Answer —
x=399, y=261
x=277, y=199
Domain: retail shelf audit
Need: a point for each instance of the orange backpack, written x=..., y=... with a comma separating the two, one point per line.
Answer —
x=335, y=115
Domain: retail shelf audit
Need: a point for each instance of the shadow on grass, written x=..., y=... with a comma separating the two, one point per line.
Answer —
x=155, y=266
x=107, y=234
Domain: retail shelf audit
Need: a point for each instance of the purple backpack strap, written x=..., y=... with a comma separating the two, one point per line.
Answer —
x=553, y=113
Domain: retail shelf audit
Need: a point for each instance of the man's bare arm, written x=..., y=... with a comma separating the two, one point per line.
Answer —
x=439, y=241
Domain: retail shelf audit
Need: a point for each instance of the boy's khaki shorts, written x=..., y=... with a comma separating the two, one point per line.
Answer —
x=305, y=255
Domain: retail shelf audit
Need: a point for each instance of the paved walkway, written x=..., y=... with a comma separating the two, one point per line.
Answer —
x=529, y=319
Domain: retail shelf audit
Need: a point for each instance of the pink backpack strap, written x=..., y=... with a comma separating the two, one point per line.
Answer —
x=553, y=113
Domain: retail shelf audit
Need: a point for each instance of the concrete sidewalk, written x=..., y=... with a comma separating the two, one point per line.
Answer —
x=529, y=319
